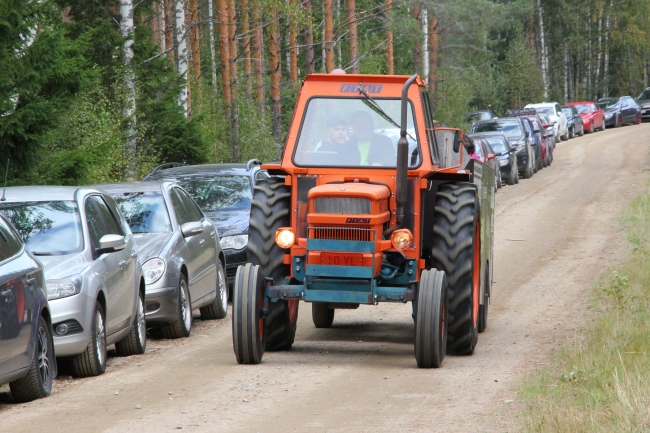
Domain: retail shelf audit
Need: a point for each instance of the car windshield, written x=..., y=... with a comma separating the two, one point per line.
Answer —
x=498, y=144
x=549, y=111
x=475, y=117
x=512, y=129
x=48, y=228
x=568, y=112
x=645, y=95
x=144, y=211
x=353, y=132
x=223, y=193
x=605, y=103
x=583, y=109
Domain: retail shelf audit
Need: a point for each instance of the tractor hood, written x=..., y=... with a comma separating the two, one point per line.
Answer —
x=360, y=190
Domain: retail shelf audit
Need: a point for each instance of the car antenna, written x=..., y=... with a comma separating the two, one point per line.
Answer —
x=5, y=187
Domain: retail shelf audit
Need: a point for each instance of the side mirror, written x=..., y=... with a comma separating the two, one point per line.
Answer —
x=191, y=229
x=456, y=141
x=110, y=244
x=491, y=156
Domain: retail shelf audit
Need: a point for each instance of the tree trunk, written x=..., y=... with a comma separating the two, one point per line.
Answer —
x=232, y=37
x=276, y=74
x=417, y=54
x=566, y=74
x=354, y=38
x=293, y=48
x=425, y=42
x=181, y=50
x=432, y=77
x=309, y=39
x=128, y=105
x=606, y=65
x=389, y=37
x=169, y=29
x=328, y=43
x=163, y=26
x=224, y=45
x=338, y=27
x=156, y=27
x=245, y=28
x=196, y=48
x=599, y=58
x=258, y=60
x=543, y=44
x=213, y=56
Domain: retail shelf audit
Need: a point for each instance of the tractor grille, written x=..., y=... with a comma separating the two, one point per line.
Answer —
x=342, y=234
x=342, y=205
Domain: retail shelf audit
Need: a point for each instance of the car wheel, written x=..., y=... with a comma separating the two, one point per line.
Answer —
x=182, y=326
x=217, y=309
x=591, y=127
x=38, y=381
x=92, y=362
x=638, y=118
x=618, y=122
x=517, y=178
x=135, y=343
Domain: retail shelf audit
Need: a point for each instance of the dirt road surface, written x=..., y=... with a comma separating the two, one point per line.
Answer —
x=555, y=233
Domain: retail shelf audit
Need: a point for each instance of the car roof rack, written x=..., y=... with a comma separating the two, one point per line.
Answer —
x=522, y=112
x=164, y=166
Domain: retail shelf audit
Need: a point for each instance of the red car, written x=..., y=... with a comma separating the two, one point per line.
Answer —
x=592, y=116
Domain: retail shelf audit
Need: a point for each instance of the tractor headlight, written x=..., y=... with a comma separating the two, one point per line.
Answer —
x=234, y=242
x=153, y=269
x=285, y=237
x=401, y=239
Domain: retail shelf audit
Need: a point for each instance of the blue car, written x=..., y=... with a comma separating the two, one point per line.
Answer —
x=27, y=361
x=619, y=111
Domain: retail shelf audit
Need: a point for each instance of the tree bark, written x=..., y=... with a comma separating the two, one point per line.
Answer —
x=258, y=59
x=169, y=28
x=276, y=74
x=432, y=77
x=213, y=56
x=232, y=37
x=354, y=38
x=328, y=43
x=196, y=48
x=293, y=49
x=389, y=37
x=606, y=65
x=128, y=104
x=309, y=39
x=338, y=27
x=163, y=26
x=417, y=54
x=542, y=39
x=181, y=49
x=224, y=55
x=245, y=28
x=156, y=27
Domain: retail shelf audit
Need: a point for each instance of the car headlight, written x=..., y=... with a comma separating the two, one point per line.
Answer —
x=503, y=162
x=64, y=287
x=520, y=146
x=234, y=242
x=608, y=115
x=153, y=269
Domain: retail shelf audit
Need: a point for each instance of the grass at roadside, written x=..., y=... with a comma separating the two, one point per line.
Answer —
x=601, y=383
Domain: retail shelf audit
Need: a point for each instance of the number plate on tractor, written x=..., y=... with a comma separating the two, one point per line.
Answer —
x=341, y=259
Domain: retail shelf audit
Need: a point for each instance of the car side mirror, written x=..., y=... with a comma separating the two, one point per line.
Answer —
x=191, y=229
x=110, y=244
x=491, y=156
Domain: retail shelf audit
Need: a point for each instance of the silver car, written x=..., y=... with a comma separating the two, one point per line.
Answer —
x=180, y=254
x=94, y=281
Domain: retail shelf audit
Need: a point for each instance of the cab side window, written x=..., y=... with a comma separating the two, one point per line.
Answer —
x=179, y=209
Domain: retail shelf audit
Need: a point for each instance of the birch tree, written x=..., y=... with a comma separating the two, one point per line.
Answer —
x=128, y=104
x=181, y=52
x=544, y=57
x=213, y=57
x=389, y=38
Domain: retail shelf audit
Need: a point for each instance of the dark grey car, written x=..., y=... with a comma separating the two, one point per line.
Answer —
x=183, y=264
x=27, y=360
x=644, y=101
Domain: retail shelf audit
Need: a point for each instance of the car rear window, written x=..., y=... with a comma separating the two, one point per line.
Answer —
x=145, y=212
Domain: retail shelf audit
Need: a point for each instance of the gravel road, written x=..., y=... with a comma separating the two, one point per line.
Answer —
x=555, y=233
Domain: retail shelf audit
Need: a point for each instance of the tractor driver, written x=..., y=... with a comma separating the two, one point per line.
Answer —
x=367, y=147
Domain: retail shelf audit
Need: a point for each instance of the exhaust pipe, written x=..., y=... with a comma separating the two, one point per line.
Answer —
x=402, y=155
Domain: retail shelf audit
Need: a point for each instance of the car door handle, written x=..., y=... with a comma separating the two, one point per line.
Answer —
x=134, y=255
x=31, y=281
x=122, y=264
x=201, y=242
x=212, y=233
x=7, y=293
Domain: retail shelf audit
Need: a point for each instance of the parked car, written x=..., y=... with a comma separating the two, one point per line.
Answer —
x=644, y=101
x=475, y=116
x=619, y=111
x=27, y=361
x=504, y=155
x=558, y=119
x=515, y=131
x=179, y=250
x=576, y=125
x=537, y=134
x=94, y=281
x=224, y=193
x=547, y=134
x=593, y=117
x=485, y=154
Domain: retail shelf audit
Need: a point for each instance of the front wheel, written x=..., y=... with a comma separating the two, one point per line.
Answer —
x=135, y=343
x=217, y=309
x=38, y=381
x=92, y=362
x=247, y=323
x=182, y=324
x=431, y=319
x=322, y=315
x=618, y=122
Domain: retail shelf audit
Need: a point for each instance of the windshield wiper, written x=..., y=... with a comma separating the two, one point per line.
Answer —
x=42, y=253
x=375, y=107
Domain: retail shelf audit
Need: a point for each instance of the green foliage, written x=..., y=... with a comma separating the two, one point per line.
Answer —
x=522, y=78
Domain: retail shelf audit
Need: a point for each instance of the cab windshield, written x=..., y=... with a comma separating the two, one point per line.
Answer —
x=351, y=132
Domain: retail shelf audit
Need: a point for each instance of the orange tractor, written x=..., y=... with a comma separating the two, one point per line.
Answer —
x=370, y=203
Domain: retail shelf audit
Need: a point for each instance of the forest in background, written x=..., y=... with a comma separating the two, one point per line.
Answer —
x=105, y=90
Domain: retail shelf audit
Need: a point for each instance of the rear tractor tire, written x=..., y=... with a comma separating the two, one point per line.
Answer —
x=431, y=319
x=456, y=251
x=322, y=315
x=270, y=210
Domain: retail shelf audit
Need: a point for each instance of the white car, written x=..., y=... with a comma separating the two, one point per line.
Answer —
x=557, y=118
